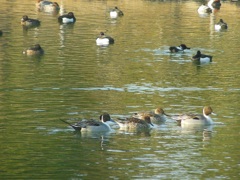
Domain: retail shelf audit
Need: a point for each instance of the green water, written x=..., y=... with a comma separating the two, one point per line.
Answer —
x=76, y=79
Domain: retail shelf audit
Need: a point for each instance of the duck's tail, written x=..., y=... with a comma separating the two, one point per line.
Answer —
x=77, y=128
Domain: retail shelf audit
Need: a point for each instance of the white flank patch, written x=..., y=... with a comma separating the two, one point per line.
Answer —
x=67, y=20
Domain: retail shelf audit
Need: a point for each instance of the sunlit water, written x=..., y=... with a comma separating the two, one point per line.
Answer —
x=76, y=79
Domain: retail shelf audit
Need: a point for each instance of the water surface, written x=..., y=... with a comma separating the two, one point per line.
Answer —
x=76, y=79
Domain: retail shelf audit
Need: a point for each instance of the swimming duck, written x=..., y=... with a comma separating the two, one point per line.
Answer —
x=214, y=4
x=221, y=25
x=157, y=117
x=92, y=124
x=104, y=40
x=114, y=13
x=201, y=58
x=34, y=50
x=182, y=47
x=26, y=21
x=67, y=18
x=195, y=119
x=133, y=123
x=40, y=3
x=47, y=6
x=204, y=9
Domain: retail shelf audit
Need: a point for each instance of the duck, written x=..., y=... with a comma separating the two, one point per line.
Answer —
x=214, y=4
x=1, y=32
x=133, y=123
x=40, y=3
x=115, y=12
x=67, y=18
x=157, y=117
x=28, y=22
x=104, y=40
x=181, y=48
x=34, y=50
x=221, y=25
x=201, y=58
x=47, y=6
x=204, y=9
x=195, y=119
x=92, y=125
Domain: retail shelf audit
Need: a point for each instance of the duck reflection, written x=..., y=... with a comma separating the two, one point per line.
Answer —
x=97, y=138
x=206, y=131
x=63, y=28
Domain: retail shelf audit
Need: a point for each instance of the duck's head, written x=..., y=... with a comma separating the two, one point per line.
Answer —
x=105, y=117
x=198, y=53
x=24, y=18
x=70, y=14
x=207, y=110
x=37, y=47
x=183, y=46
x=55, y=4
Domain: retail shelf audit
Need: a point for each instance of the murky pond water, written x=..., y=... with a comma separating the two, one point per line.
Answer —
x=76, y=79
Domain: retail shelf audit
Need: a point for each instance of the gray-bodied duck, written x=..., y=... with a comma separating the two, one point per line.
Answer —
x=92, y=124
x=195, y=119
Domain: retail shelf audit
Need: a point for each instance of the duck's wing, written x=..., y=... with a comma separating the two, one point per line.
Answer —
x=74, y=126
x=88, y=122
x=130, y=120
x=205, y=56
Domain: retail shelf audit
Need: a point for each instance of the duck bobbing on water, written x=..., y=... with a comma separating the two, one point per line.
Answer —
x=201, y=58
x=135, y=124
x=221, y=25
x=204, y=9
x=104, y=40
x=92, y=125
x=195, y=119
x=67, y=18
x=115, y=12
x=181, y=48
x=34, y=50
x=47, y=6
x=28, y=22
x=214, y=4
x=157, y=117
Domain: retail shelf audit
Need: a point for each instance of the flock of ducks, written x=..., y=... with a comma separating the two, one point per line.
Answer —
x=138, y=121
x=143, y=121
x=105, y=40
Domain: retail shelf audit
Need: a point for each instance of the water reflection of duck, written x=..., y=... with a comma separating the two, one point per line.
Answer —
x=201, y=58
x=181, y=48
x=114, y=13
x=157, y=117
x=92, y=124
x=195, y=119
x=221, y=25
